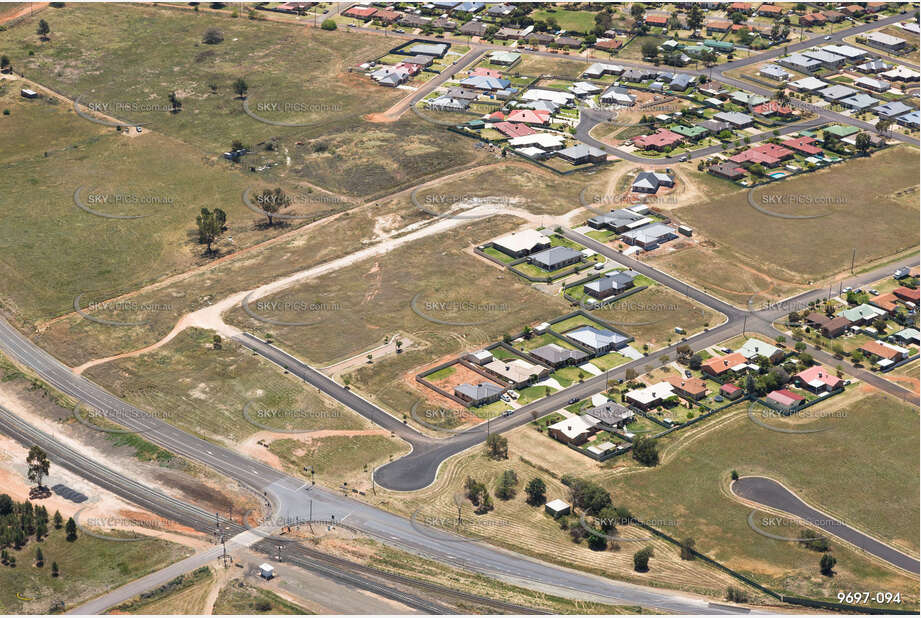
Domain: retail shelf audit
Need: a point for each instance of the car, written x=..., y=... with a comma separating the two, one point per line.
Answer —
x=574, y=400
x=687, y=373
x=599, y=266
x=718, y=398
x=848, y=289
x=683, y=157
x=138, y=129
x=727, y=350
x=873, y=291
x=513, y=395
x=400, y=30
x=828, y=38
x=507, y=412
x=505, y=398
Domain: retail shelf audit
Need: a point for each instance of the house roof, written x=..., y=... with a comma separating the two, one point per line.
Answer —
x=557, y=96
x=862, y=312
x=755, y=347
x=817, y=375
x=579, y=151
x=654, y=392
x=485, y=82
x=721, y=364
x=662, y=137
x=891, y=109
x=652, y=180
x=556, y=354
x=610, y=413
x=529, y=116
x=596, y=338
x=525, y=240
x=912, y=294
x=555, y=255
x=883, y=350
x=542, y=140
x=512, y=129
x=785, y=397
x=808, y=83
x=763, y=153
x=515, y=370
x=837, y=91
x=615, y=281
x=650, y=233
x=804, y=144
x=574, y=426
x=694, y=386
x=860, y=101
x=734, y=118
x=476, y=392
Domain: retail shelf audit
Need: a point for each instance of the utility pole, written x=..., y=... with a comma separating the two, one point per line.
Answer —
x=853, y=257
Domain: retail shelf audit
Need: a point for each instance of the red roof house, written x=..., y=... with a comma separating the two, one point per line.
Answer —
x=772, y=107
x=361, y=12
x=529, y=116
x=656, y=20
x=513, y=129
x=802, y=144
x=766, y=154
x=658, y=140
x=719, y=365
x=907, y=294
x=818, y=379
x=785, y=398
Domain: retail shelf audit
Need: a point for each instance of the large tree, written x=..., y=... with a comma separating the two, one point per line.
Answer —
x=536, y=490
x=38, y=464
x=43, y=30
x=273, y=200
x=210, y=226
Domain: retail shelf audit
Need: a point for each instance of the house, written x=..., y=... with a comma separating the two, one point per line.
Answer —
x=599, y=69
x=650, y=182
x=767, y=154
x=617, y=95
x=827, y=59
x=610, y=285
x=835, y=92
x=504, y=58
x=738, y=120
x=511, y=129
x=568, y=42
x=912, y=295
x=420, y=60
x=801, y=63
x=681, y=82
x=729, y=171
x=718, y=25
x=908, y=336
x=650, y=396
x=912, y=120
x=574, y=430
x=478, y=394
x=833, y=16
x=609, y=45
x=740, y=7
x=620, y=220
x=584, y=89
x=692, y=133
x=730, y=391
x=770, y=10
x=660, y=140
x=723, y=47
x=598, y=340
x=544, y=141
x=817, y=379
x=859, y=101
x=776, y=72
x=853, y=10
x=785, y=399
x=555, y=258
x=835, y=327
x=813, y=19
x=720, y=365
x=804, y=145
x=361, y=12
x=580, y=154
x=480, y=357
x=862, y=314
x=884, y=353
x=694, y=389
x=638, y=75
x=610, y=415
x=538, y=38
x=517, y=372
x=772, y=108
x=484, y=82
x=448, y=104
x=808, y=84
x=412, y=20
x=473, y=28
x=294, y=7
x=847, y=51
x=746, y=98
x=884, y=41
x=266, y=571
x=891, y=109
x=507, y=34
x=901, y=74
x=650, y=236
x=558, y=356
x=659, y=21
x=27, y=93
x=840, y=131
x=529, y=116
x=520, y=244
x=557, y=96
x=387, y=16
x=462, y=93
x=430, y=49
x=500, y=10
x=754, y=348
x=390, y=76
x=886, y=302
x=873, y=66
x=556, y=508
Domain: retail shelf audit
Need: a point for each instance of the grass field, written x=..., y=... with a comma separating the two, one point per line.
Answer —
x=88, y=567
x=204, y=391
x=238, y=597
x=543, y=65
x=875, y=195
x=335, y=459
x=572, y=21
x=187, y=595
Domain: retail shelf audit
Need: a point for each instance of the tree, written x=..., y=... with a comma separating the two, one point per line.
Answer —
x=4, y=63
x=641, y=559
x=175, y=105
x=54, y=569
x=537, y=491
x=650, y=49
x=645, y=451
x=273, y=200
x=827, y=565
x=814, y=541
x=882, y=126
x=506, y=488
x=736, y=595
x=212, y=36
x=71, y=529
x=6, y=505
x=38, y=464
x=39, y=557
x=737, y=17
x=862, y=143
x=687, y=549
x=329, y=24
x=210, y=226
x=43, y=30
x=695, y=361
x=497, y=446
x=240, y=87
x=58, y=520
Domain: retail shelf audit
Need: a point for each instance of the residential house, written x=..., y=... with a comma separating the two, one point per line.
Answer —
x=836, y=91
x=650, y=236
x=911, y=295
x=520, y=244
x=598, y=340
x=512, y=129
x=801, y=63
x=874, y=66
x=908, y=336
x=691, y=133
x=833, y=16
x=884, y=353
x=770, y=10
x=773, y=108
x=718, y=25
x=584, y=89
x=617, y=95
x=738, y=120
x=784, y=399
x=803, y=145
x=504, y=58
x=429, y=49
x=650, y=396
x=364, y=13
x=776, y=72
x=478, y=394
x=891, y=110
x=887, y=42
x=484, y=82
x=813, y=19
x=473, y=28
x=480, y=357
x=557, y=96
x=555, y=258
x=912, y=120
x=544, y=141
x=574, y=430
x=730, y=391
x=529, y=116
x=516, y=372
x=808, y=84
x=580, y=154
x=557, y=356
x=610, y=416
x=660, y=140
x=600, y=69
x=850, y=52
x=886, y=302
x=729, y=171
x=722, y=365
x=608, y=45
x=901, y=74
x=651, y=182
x=693, y=389
x=754, y=348
x=859, y=102
x=767, y=155
x=827, y=59
x=620, y=220
x=610, y=285
x=817, y=379
x=500, y=10
x=568, y=42
x=862, y=314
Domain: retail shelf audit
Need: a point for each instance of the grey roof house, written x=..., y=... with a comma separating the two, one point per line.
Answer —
x=555, y=258
x=558, y=356
x=609, y=285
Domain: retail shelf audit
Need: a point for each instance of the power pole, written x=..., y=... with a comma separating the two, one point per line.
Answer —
x=853, y=257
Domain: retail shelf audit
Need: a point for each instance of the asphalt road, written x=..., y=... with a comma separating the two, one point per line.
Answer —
x=774, y=495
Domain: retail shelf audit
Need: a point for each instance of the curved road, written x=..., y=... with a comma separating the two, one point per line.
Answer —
x=772, y=494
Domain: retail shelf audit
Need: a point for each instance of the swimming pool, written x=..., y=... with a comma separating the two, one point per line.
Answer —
x=777, y=174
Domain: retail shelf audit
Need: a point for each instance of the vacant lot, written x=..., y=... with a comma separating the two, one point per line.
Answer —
x=238, y=597
x=204, y=390
x=690, y=487
x=871, y=206
x=573, y=21
x=543, y=65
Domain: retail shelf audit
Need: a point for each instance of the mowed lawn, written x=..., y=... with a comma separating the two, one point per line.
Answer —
x=203, y=390
x=866, y=213
x=137, y=55
x=573, y=21
x=870, y=483
x=51, y=250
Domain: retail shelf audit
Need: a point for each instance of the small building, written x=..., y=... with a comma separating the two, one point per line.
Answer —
x=555, y=258
x=718, y=366
x=651, y=182
x=480, y=357
x=599, y=341
x=478, y=394
x=693, y=389
x=581, y=154
x=609, y=285
x=266, y=571
x=887, y=42
x=882, y=351
x=729, y=171
x=520, y=244
x=737, y=120
x=557, y=508
x=660, y=140
x=730, y=391
x=784, y=399
x=611, y=415
x=504, y=58
x=776, y=72
x=28, y=94
x=754, y=348
x=650, y=396
x=558, y=356
x=650, y=236
x=818, y=379
x=574, y=430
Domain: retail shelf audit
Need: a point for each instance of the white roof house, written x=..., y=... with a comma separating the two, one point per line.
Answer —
x=525, y=240
x=655, y=392
x=557, y=507
x=756, y=347
x=541, y=140
x=808, y=84
x=557, y=96
x=574, y=426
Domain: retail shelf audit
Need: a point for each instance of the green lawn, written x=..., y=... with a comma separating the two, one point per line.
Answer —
x=573, y=21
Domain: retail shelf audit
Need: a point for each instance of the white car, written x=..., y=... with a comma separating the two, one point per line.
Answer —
x=828, y=38
x=506, y=398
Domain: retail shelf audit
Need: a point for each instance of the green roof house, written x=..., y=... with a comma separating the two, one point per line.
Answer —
x=722, y=46
x=694, y=133
x=841, y=130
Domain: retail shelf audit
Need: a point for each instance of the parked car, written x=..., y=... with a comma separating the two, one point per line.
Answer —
x=573, y=400
x=505, y=397
x=687, y=373
x=873, y=291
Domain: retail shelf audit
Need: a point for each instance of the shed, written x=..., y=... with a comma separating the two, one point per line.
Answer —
x=29, y=94
x=557, y=508
x=266, y=570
